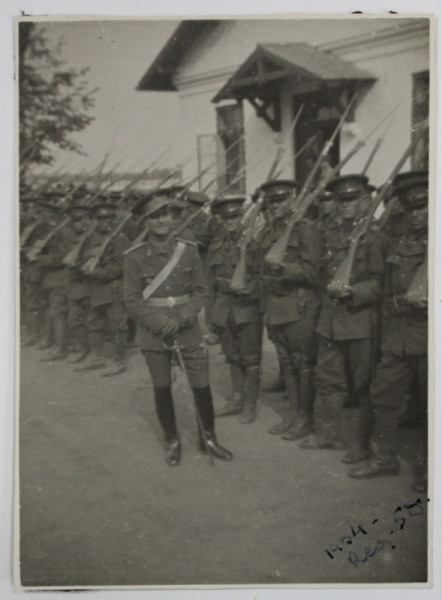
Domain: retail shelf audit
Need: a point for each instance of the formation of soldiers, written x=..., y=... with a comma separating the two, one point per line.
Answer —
x=341, y=294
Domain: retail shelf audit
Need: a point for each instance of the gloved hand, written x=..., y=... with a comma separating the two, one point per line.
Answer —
x=169, y=328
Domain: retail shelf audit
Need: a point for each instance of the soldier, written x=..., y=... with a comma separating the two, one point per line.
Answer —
x=167, y=313
x=346, y=325
x=291, y=304
x=327, y=210
x=106, y=294
x=55, y=281
x=78, y=288
x=236, y=315
x=404, y=347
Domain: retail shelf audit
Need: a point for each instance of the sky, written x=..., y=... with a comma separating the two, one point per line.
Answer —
x=132, y=125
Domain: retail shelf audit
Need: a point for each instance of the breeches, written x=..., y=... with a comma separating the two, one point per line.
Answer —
x=77, y=312
x=393, y=379
x=241, y=343
x=343, y=366
x=58, y=302
x=296, y=343
x=195, y=360
x=112, y=316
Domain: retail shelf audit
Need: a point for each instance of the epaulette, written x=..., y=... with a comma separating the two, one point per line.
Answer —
x=190, y=242
x=132, y=248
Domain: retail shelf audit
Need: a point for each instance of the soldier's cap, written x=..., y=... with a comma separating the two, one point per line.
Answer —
x=278, y=189
x=178, y=204
x=350, y=187
x=172, y=190
x=155, y=203
x=413, y=194
x=408, y=177
x=326, y=195
x=28, y=198
x=215, y=206
x=231, y=206
x=53, y=195
x=80, y=192
x=103, y=210
x=197, y=198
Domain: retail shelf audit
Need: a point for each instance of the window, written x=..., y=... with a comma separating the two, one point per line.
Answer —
x=420, y=111
x=231, y=157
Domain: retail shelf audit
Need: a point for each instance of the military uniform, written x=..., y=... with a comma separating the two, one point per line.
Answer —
x=54, y=283
x=104, y=284
x=347, y=327
x=404, y=347
x=236, y=315
x=291, y=306
x=169, y=316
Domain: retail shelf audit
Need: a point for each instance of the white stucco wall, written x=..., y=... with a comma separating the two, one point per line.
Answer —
x=392, y=60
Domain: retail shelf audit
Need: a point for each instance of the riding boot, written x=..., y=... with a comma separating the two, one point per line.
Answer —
x=236, y=404
x=166, y=416
x=288, y=417
x=206, y=424
x=119, y=365
x=95, y=360
x=251, y=391
x=303, y=424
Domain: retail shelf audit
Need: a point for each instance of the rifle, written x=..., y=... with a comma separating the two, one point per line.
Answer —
x=276, y=253
x=341, y=280
x=378, y=144
x=27, y=232
x=91, y=264
x=239, y=277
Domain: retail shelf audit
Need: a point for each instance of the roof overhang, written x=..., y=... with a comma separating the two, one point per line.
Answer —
x=159, y=76
x=308, y=67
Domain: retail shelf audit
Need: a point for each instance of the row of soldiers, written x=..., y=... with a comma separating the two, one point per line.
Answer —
x=363, y=342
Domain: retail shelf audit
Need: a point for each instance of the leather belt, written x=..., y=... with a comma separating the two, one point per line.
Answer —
x=170, y=301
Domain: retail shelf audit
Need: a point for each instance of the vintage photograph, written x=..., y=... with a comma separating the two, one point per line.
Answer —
x=223, y=230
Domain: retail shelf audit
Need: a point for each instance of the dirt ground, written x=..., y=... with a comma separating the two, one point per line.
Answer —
x=99, y=506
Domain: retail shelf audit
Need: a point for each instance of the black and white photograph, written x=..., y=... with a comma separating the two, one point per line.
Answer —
x=223, y=237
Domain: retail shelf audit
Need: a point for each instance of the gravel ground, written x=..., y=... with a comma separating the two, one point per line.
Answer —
x=99, y=506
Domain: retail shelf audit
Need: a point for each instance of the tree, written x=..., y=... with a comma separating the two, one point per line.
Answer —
x=53, y=100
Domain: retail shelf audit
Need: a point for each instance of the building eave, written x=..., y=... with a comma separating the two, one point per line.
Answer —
x=159, y=76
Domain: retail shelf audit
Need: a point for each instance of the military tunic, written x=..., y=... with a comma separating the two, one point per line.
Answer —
x=290, y=293
x=106, y=283
x=142, y=264
x=237, y=317
x=404, y=347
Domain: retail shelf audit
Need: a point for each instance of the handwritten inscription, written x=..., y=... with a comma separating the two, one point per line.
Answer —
x=355, y=558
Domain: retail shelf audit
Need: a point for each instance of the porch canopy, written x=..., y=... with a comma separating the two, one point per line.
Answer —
x=311, y=70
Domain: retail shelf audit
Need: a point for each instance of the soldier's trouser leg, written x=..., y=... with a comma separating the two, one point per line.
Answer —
x=331, y=390
x=76, y=320
x=117, y=319
x=360, y=360
x=250, y=343
x=58, y=307
x=230, y=347
x=392, y=380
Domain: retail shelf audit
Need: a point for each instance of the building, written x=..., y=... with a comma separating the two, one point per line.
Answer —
x=240, y=83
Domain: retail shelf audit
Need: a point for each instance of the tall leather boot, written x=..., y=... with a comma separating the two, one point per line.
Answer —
x=236, y=404
x=291, y=384
x=207, y=437
x=166, y=416
x=359, y=445
x=81, y=344
x=251, y=391
x=303, y=424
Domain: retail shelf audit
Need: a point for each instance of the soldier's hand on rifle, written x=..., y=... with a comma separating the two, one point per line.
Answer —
x=340, y=292
x=416, y=299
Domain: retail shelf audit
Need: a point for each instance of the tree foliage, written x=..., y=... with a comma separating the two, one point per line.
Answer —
x=53, y=100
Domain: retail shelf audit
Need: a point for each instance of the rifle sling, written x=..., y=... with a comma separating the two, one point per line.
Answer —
x=165, y=271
